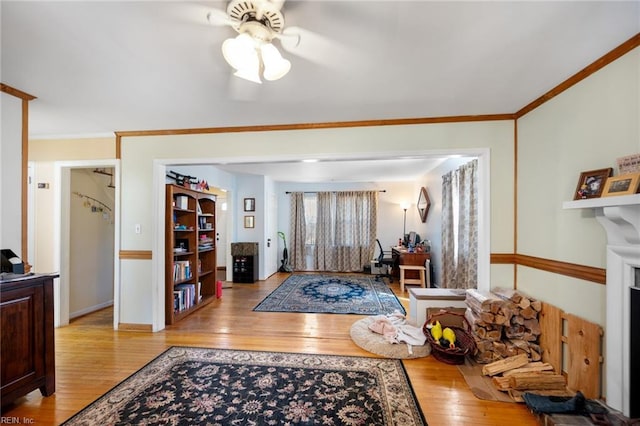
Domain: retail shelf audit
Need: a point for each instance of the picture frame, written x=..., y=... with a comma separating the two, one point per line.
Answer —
x=249, y=222
x=622, y=185
x=591, y=183
x=628, y=164
x=249, y=204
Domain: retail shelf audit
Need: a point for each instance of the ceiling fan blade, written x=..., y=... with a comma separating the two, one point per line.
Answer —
x=219, y=18
x=314, y=47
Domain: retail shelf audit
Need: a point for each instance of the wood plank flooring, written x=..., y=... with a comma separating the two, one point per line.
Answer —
x=91, y=357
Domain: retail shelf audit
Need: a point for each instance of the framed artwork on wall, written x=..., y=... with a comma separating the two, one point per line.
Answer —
x=249, y=222
x=591, y=183
x=249, y=204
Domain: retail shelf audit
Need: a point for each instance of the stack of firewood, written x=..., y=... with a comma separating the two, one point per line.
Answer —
x=517, y=375
x=504, y=323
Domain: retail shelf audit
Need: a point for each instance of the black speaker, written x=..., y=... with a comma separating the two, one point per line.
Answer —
x=11, y=263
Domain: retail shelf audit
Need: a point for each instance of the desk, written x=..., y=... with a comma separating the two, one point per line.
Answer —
x=401, y=256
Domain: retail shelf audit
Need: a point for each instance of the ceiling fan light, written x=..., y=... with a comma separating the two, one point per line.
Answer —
x=240, y=52
x=275, y=66
x=250, y=72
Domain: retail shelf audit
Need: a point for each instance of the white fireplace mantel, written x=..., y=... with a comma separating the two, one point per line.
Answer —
x=620, y=217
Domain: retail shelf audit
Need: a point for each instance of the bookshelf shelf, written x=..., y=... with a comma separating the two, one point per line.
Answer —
x=190, y=252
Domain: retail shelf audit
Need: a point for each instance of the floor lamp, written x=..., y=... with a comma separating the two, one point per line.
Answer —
x=404, y=207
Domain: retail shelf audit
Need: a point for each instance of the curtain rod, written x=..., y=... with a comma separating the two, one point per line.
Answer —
x=345, y=190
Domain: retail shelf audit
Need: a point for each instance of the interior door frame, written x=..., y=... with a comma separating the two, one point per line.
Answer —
x=159, y=180
x=62, y=235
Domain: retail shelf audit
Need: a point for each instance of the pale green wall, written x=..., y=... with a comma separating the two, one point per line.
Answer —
x=45, y=153
x=139, y=153
x=585, y=128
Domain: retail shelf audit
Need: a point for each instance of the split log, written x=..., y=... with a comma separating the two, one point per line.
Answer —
x=483, y=301
x=536, y=305
x=501, y=383
x=500, y=348
x=508, y=310
x=525, y=303
x=505, y=365
x=521, y=344
x=483, y=345
x=528, y=313
x=529, y=368
x=486, y=357
x=533, y=326
x=527, y=381
x=515, y=332
x=535, y=355
x=500, y=319
x=507, y=294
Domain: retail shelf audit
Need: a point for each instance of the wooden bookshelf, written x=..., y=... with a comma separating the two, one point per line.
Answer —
x=190, y=279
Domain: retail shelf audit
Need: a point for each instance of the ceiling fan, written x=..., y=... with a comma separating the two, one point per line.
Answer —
x=251, y=53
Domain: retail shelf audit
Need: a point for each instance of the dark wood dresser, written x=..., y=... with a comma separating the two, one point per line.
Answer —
x=27, y=353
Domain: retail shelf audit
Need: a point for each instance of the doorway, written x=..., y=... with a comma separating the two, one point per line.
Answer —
x=67, y=260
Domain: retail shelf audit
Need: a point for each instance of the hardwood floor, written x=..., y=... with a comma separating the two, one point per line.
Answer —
x=91, y=357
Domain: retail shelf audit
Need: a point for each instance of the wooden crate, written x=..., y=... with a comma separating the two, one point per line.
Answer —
x=580, y=346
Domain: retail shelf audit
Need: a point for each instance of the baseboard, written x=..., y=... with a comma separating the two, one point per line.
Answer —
x=135, y=327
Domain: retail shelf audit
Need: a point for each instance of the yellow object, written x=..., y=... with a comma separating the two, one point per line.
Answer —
x=450, y=336
x=436, y=330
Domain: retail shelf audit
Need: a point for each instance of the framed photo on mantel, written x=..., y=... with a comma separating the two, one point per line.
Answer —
x=592, y=183
x=622, y=185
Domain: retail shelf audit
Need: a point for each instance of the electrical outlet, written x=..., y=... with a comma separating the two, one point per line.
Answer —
x=138, y=229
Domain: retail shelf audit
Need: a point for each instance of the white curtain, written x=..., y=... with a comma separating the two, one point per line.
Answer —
x=460, y=227
x=344, y=228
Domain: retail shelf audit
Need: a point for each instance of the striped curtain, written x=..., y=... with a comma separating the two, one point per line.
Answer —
x=344, y=229
x=297, y=225
x=460, y=227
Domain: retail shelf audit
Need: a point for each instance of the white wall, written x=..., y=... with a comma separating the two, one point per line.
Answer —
x=91, y=243
x=11, y=174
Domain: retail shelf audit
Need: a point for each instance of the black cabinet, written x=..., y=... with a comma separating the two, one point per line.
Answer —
x=245, y=262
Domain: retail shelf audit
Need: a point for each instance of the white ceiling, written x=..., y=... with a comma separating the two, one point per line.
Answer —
x=99, y=67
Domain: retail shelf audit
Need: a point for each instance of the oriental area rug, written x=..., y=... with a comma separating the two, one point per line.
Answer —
x=199, y=386
x=332, y=294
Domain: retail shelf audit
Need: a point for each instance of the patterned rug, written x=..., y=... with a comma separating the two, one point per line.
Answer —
x=331, y=294
x=198, y=386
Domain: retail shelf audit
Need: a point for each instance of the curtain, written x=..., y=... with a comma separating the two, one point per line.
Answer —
x=344, y=226
x=324, y=258
x=460, y=227
x=297, y=225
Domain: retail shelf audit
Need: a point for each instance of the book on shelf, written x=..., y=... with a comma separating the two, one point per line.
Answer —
x=182, y=202
x=182, y=270
x=184, y=297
